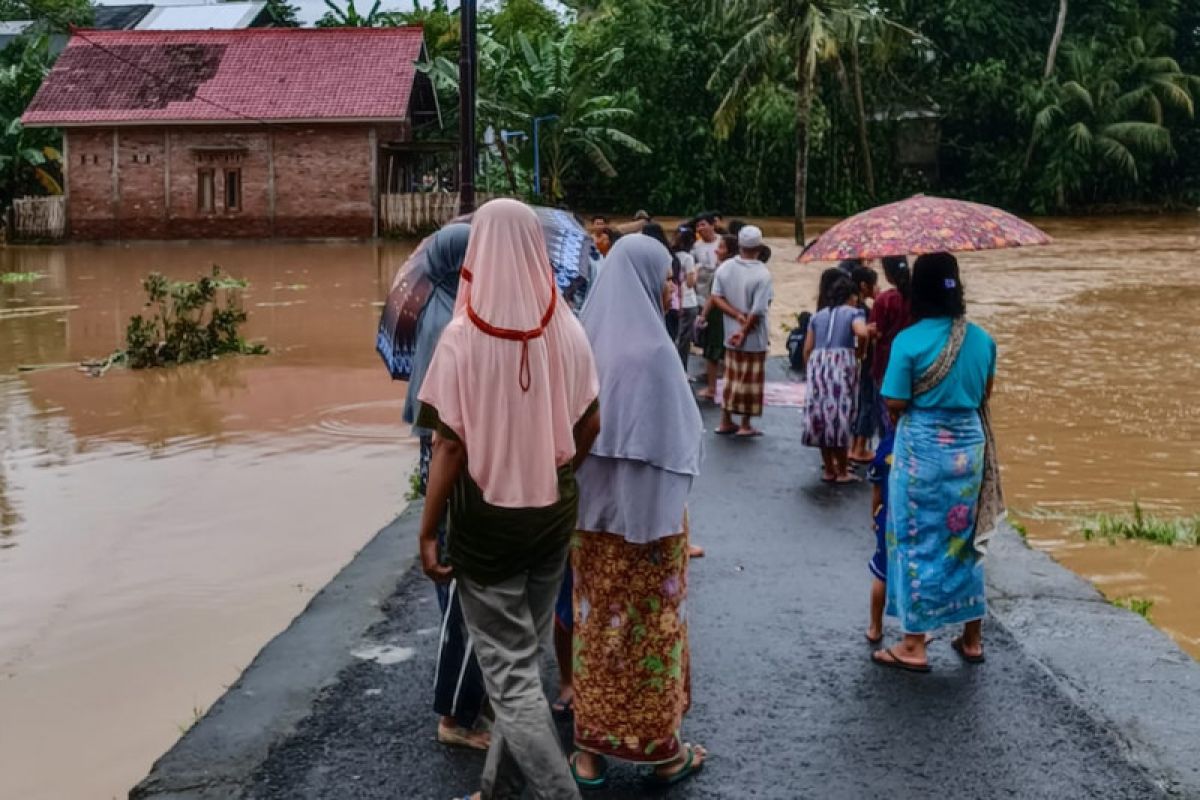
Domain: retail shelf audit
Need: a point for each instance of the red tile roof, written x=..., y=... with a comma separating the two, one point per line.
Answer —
x=267, y=74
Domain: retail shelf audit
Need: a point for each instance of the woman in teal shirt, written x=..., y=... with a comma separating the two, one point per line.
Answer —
x=938, y=378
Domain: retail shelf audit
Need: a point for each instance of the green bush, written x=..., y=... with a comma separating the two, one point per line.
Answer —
x=192, y=321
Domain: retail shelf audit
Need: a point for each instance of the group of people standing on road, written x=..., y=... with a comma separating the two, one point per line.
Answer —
x=905, y=365
x=598, y=412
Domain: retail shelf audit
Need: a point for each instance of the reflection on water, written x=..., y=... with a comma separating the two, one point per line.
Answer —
x=157, y=527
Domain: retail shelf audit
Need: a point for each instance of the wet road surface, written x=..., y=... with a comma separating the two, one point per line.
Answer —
x=785, y=696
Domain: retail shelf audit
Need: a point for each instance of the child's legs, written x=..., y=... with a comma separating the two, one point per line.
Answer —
x=878, y=601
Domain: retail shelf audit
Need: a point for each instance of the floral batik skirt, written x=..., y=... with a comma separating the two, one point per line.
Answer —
x=832, y=396
x=934, y=575
x=631, y=658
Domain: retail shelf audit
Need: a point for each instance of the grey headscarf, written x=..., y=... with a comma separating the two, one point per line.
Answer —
x=443, y=262
x=647, y=412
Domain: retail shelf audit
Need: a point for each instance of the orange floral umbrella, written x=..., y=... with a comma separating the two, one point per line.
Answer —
x=923, y=225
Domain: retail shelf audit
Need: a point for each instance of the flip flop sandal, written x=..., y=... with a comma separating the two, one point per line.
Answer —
x=878, y=640
x=688, y=769
x=590, y=784
x=896, y=662
x=724, y=431
x=957, y=645
x=754, y=434
x=828, y=479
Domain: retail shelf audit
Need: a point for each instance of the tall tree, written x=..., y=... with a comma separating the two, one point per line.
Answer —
x=810, y=33
x=1060, y=27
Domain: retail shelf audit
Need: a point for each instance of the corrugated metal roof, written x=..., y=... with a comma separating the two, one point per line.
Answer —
x=222, y=16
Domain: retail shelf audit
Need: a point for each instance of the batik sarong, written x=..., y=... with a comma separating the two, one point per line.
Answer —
x=832, y=395
x=631, y=657
x=935, y=576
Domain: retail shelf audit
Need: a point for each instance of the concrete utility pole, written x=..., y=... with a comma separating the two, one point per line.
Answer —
x=466, y=115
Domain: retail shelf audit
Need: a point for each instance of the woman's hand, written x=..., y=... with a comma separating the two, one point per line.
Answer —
x=431, y=565
x=449, y=460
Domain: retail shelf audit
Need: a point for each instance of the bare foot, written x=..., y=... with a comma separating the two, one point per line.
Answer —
x=848, y=477
x=695, y=552
x=457, y=736
x=875, y=634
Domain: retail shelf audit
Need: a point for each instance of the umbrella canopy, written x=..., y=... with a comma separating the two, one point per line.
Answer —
x=922, y=225
x=572, y=255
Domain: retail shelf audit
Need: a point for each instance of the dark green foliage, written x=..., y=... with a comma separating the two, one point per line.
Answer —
x=30, y=159
x=283, y=14
x=192, y=321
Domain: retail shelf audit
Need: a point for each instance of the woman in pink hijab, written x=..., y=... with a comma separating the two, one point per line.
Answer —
x=512, y=397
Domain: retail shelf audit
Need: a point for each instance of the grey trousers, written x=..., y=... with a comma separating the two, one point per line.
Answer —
x=508, y=622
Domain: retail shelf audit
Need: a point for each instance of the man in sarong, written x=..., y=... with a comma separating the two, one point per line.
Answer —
x=743, y=290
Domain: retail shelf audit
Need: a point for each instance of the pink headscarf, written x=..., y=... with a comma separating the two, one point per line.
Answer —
x=513, y=371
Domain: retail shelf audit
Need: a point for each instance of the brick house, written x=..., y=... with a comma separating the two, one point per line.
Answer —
x=269, y=132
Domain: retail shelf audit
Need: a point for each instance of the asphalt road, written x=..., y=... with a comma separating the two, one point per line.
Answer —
x=785, y=696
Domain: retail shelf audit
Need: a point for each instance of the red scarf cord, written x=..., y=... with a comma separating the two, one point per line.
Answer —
x=524, y=376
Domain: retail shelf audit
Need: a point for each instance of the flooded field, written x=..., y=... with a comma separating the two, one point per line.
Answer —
x=157, y=528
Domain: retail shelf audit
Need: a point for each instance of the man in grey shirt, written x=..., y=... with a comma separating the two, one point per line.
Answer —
x=743, y=290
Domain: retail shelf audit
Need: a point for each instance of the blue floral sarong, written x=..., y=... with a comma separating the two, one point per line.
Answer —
x=935, y=577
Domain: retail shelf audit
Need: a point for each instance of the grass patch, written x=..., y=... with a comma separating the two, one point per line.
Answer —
x=414, y=485
x=1139, y=525
x=1019, y=527
x=1142, y=606
x=20, y=277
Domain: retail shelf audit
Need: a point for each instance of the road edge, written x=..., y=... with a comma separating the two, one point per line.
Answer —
x=276, y=691
x=1121, y=670
x=1147, y=697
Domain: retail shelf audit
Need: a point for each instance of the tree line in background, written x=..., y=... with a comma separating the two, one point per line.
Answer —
x=782, y=107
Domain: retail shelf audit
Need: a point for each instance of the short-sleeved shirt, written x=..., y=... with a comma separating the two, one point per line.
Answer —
x=690, y=298
x=833, y=328
x=705, y=255
x=490, y=544
x=890, y=314
x=747, y=286
x=918, y=346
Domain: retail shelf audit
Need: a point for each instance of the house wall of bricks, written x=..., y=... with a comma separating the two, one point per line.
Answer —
x=292, y=181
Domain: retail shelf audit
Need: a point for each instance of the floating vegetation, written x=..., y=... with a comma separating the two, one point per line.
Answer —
x=20, y=277
x=1141, y=606
x=1139, y=525
x=192, y=321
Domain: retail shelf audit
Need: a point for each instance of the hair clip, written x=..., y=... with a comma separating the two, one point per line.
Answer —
x=950, y=283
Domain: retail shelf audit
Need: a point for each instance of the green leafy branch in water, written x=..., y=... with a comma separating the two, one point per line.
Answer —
x=20, y=277
x=1142, y=526
x=1138, y=605
x=193, y=321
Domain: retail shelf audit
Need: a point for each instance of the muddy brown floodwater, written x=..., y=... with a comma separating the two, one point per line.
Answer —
x=156, y=528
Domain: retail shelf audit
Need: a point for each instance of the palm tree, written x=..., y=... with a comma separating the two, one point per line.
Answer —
x=543, y=78
x=1060, y=27
x=1107, y=117
x=349, y=17
x=805, y=34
